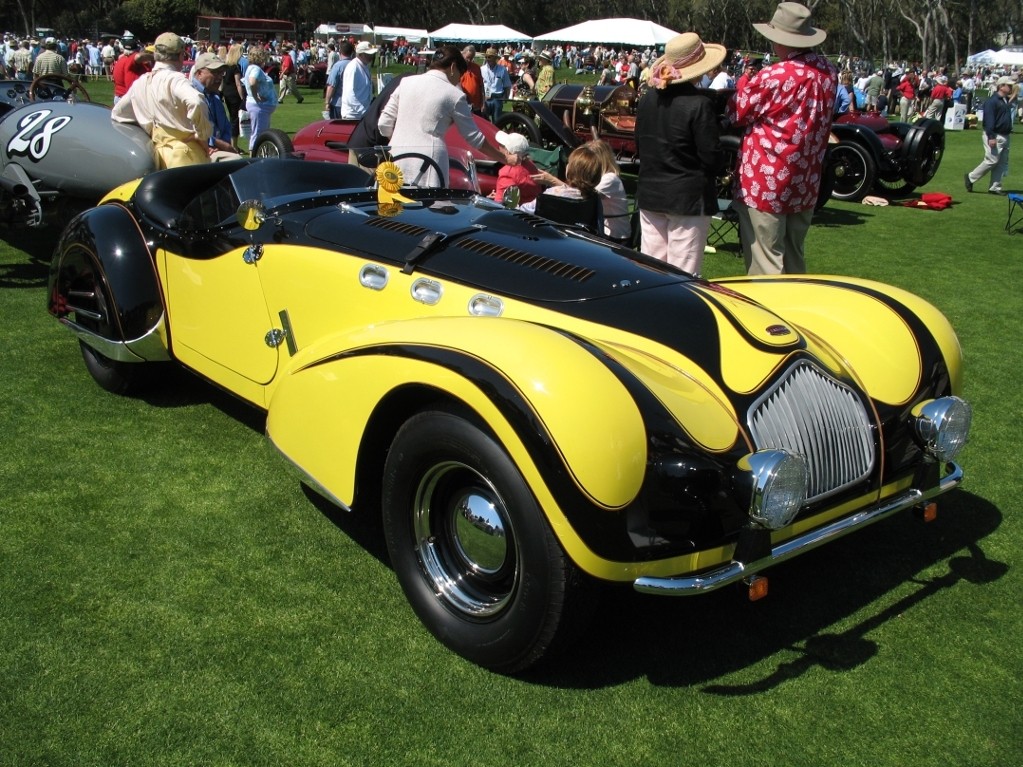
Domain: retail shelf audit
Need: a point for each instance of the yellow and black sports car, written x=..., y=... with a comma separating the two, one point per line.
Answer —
x=531, y=409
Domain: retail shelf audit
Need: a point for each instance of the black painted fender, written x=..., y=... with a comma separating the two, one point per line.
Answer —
x=867, y=139
x=102, y=266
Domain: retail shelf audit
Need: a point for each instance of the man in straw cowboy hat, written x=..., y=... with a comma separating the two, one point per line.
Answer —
x=786, y=110
x=678, y=138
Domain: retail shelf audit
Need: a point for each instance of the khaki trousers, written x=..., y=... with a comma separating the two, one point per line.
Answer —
x=772, y=243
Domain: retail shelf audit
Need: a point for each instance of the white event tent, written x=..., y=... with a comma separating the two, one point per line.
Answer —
x=1006, y=57
x=635, y=32
x=477, y=33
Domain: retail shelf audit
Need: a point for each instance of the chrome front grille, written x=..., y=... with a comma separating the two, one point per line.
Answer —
x=811, y=414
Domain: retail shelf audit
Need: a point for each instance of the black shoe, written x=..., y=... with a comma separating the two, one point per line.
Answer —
x=966, y=180
x=995, y=191
x=301, y=100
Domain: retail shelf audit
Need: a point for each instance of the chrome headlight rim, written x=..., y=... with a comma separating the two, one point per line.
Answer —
x=942, y=426
x=780, y=482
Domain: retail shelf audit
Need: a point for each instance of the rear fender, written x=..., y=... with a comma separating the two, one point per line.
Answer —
x=104, y=250
x=549, y=400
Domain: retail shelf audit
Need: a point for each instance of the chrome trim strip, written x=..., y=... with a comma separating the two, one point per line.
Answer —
x=300, y=474
x=736, y=571
x=151, y=347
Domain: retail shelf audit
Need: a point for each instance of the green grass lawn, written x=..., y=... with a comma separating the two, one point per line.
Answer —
x=172, y=596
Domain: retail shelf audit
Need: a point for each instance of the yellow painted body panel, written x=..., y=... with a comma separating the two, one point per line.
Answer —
x=219, y=321
x=852, y=322
x=123, y=192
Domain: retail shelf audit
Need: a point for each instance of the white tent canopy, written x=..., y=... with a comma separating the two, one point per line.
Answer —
x=478, y=33
x=636, y=32
x=1009, y=57
x=983, y=57
x=392, y=33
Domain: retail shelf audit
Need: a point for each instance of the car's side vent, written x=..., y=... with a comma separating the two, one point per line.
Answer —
x=550, y=266
x=819, y=418
x=399, y=227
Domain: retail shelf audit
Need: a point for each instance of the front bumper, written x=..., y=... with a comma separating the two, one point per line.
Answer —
x=737, y=571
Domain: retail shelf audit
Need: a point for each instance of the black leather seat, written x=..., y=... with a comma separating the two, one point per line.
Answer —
x=585, y=213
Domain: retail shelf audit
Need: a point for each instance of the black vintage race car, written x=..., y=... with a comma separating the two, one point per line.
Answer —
x=530, y=409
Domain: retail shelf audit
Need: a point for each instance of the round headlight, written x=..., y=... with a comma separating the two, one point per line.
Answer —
x=779, y=487
x=943, y=426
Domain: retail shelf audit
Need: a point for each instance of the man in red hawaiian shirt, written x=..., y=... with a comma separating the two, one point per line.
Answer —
x=786, y=109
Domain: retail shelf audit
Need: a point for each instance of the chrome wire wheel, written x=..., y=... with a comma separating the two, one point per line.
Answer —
x=464, y=540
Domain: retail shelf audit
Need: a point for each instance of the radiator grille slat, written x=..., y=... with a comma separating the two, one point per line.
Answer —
x=813, y=415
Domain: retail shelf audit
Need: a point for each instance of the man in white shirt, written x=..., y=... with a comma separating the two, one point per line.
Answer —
x=721, y=79
x=496, y=84
x=357, y=87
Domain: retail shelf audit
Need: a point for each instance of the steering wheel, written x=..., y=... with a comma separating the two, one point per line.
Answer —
x=428, y=163
x=52, y=88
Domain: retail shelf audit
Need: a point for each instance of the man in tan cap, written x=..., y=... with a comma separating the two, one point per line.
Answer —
x=165, y=105
x=786, y=110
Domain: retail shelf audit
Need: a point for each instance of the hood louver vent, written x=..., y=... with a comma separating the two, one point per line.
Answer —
x=398, y=227
x=529, y=260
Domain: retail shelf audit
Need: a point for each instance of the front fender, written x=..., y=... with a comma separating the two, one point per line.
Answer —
x=893, y=340
x=549, y=399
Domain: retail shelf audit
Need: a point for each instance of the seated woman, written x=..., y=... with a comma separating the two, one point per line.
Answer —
x=613, y=198
x=582, y=175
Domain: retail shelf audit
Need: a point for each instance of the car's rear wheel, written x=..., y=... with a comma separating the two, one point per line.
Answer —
x=472, y=550
x=923, y=149
x=95, y=313
x=273, y=143
x=516, y=122
x=855, y=171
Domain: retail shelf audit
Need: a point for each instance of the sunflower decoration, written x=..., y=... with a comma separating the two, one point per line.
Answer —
x=389, y=181
x=388, y=209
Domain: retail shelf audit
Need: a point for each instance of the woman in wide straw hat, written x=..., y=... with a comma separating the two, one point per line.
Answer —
x=679, y=142
x=786, y=110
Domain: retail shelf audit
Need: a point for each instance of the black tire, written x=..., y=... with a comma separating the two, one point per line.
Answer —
x=496, y=589
x=273, y=143
x=516, y=122
x=894, y=188
x=855, y=171
x=124, y=378
x=317, y=79
x=427, y=163
x=923, y=148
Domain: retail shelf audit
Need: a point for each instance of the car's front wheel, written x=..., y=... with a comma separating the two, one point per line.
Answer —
x=471, y=548
x=855, y=171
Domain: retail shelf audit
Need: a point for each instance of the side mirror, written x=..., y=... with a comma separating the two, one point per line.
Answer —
x=251, y=215
x=511, y=197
